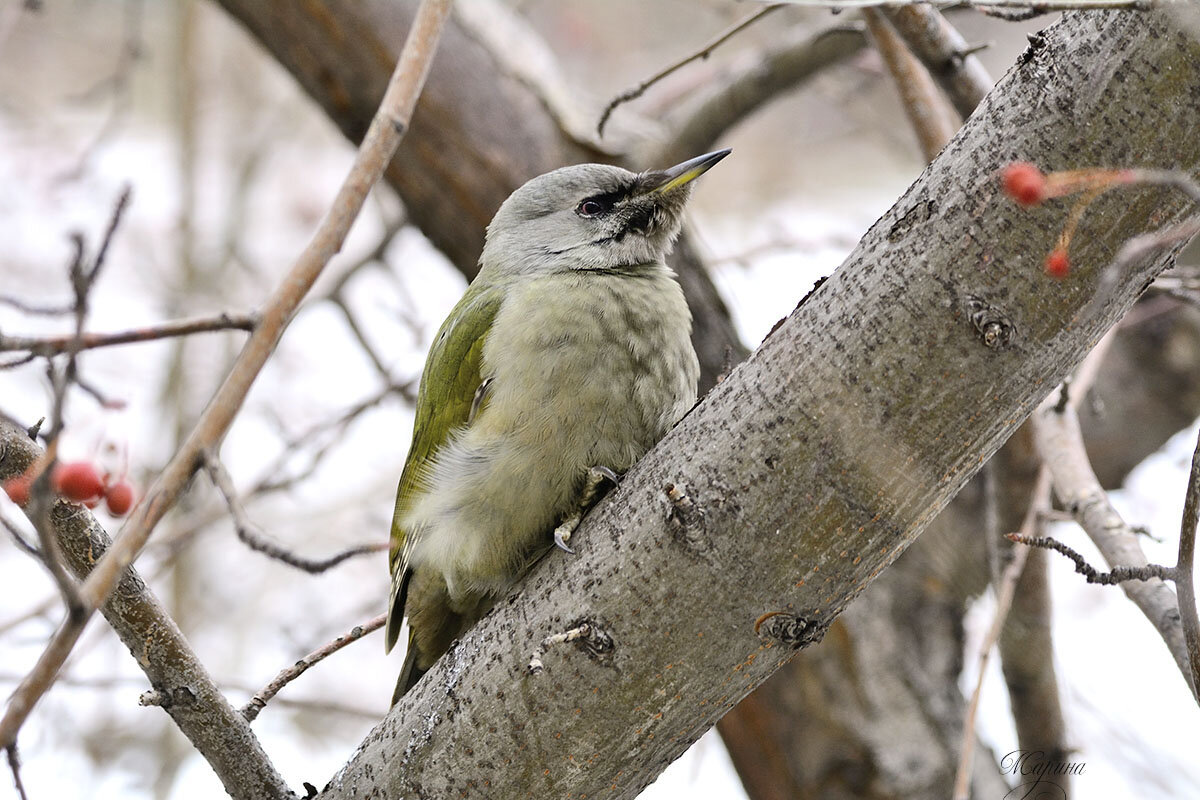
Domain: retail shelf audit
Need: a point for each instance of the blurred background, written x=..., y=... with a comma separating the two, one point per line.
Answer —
x=231, y=167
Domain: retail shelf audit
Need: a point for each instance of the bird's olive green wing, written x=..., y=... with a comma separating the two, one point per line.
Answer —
x=444, y=403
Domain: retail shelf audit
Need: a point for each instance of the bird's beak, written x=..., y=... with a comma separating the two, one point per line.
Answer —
x=681, y=174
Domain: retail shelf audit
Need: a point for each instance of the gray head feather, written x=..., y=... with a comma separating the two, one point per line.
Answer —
x=585, y=217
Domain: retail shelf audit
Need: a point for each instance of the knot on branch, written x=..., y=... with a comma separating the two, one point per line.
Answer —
x=685, y=519
x=166, y=698
x=588, y=636
x=917, y=214
x=789, y=629
x=995, y=329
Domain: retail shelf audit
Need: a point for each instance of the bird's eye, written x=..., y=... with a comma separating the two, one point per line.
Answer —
x=592, y=207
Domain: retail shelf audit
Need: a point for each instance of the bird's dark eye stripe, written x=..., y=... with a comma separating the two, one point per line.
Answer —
x=593, y=207
x=603, y=203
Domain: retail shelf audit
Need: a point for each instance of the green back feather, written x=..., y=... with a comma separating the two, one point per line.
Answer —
x=448, y=384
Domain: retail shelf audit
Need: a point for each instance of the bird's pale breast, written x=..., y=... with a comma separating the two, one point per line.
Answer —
x=589, y=369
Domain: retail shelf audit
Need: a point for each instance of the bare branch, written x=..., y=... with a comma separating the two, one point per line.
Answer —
x=34, y=310
x=20, y=541
x=945, y=54
x=379, y=145
x=923, y=103
x=260, y=699
x=42, y=499
x=14, y=763
x=255, y=541
x=196, y=705
x=780, y=69
x=1111, y=578
x=703, y=53
x=273, y=484
x=53, y=345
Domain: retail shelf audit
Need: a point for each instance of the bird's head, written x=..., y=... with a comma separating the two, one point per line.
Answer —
x=591, y=217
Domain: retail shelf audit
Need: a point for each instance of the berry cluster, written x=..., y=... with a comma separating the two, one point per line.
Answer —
x=79, y=482
x=1028, y=186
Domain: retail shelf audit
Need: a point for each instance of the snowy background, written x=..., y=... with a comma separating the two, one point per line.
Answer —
x=95, y=94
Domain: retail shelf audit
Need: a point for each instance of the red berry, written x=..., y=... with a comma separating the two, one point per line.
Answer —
x=1024, y=183
x=77, y=481
x=1058, y=265
x=18, y=488
x=119, y=498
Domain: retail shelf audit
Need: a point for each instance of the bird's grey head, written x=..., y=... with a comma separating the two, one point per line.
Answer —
x=591, y=217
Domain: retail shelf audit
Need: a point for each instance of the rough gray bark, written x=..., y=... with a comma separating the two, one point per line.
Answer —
x=873, y=712
x=188, y=693
x=821, y=458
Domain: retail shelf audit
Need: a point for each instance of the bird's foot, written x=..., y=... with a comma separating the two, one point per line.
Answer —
x=562, y=533
x=596, y=476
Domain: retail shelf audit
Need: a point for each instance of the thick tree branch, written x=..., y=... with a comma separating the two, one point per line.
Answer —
x=809, y=469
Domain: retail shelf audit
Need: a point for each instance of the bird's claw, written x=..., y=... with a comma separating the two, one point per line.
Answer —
x=563, y=533
x=601, y=472
x=595, y=476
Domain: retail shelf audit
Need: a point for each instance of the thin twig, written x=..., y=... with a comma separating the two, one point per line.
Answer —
x=19, y=539
x=14, y=763
x=702, y=53
x=379, y=145
x=53, y=345
x=260, y=699
x=270, y=482
x=83, y=275
x=34, y=310
x=1090, y=573
x=255, y=541
x=17, y=362
x=699, y=123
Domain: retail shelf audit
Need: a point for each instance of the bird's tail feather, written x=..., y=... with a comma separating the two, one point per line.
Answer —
x=410, y=673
